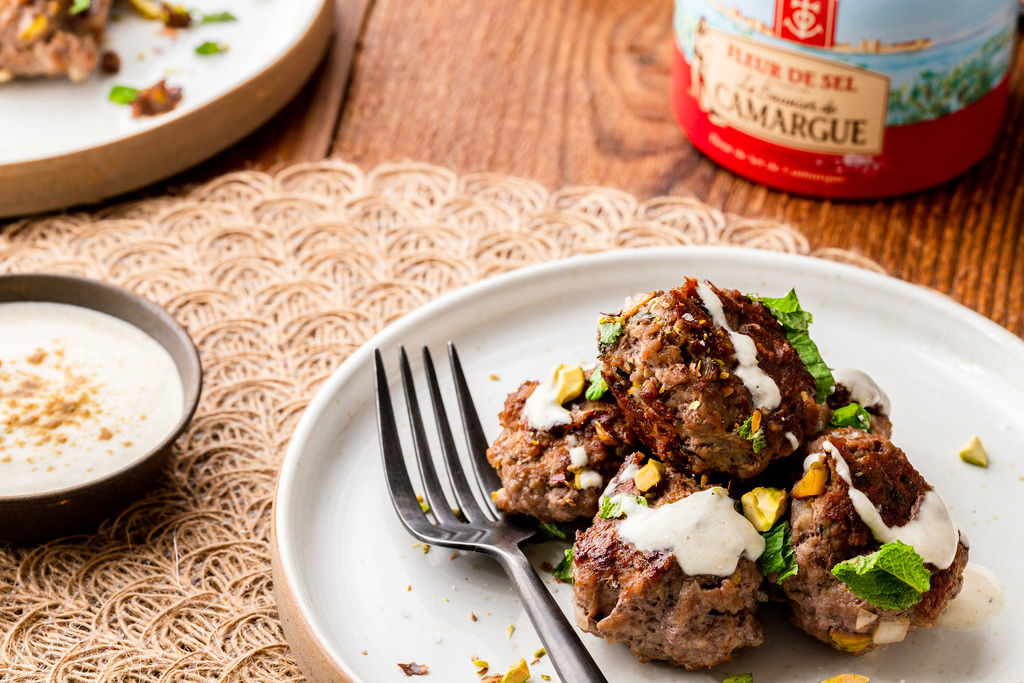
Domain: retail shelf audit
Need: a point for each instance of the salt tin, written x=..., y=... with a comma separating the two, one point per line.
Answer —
x=843, y=98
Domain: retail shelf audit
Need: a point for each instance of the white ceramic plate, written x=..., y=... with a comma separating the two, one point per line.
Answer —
x=344, y=563
x=56, y=120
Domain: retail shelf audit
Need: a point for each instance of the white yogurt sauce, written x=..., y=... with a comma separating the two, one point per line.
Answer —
x=542, y=409
x=82, y=394
x=578, y=458
x=863, y=389
x=791, y=438
x=931, y=532
x=589, y=479
x=763, y=389
x=703, y=531
x=980, y=599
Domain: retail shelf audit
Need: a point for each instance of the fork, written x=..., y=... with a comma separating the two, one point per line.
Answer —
x=478, y=528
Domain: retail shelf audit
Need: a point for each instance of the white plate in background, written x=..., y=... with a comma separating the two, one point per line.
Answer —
x=53, y=128
x=344, y=564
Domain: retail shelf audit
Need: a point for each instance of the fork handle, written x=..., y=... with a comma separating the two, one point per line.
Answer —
x=561, y=641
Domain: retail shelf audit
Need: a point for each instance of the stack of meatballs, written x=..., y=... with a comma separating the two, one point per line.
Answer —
x=698, y=388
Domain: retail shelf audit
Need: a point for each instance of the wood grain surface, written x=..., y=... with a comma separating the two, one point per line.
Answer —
x=571, y=92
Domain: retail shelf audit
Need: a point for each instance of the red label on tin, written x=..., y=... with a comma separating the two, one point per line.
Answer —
x=810, y=22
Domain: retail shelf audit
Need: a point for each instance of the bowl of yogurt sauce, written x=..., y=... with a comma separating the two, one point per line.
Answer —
x=95, y=385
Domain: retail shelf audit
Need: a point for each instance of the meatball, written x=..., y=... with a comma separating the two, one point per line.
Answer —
x=43, y=38
x=557, y=474
x=855, y=386
x=691, y=365
x=645, y=599
x=827, y=529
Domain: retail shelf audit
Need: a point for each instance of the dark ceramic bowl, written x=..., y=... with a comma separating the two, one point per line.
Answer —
x=81, y=507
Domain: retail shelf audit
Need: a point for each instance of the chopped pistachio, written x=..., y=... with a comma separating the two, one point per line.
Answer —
x=813, y=482
x=865, y=618
x=495, y=494
x=148, y=9
x=764, y=506
x=511, y=628
x=849, y=642
x=568, y=382
x=890, y=631
x=648, y=476
x=603, y=436
x=519, y=673
x=540, y=653
x=480, y=663
x=35, y=29
x=974, y=453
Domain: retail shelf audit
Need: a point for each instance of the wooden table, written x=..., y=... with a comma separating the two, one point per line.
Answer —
x=576, y=92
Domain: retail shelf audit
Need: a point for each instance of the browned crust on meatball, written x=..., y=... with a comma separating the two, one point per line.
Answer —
x=66, y=44
x=534, y=465
x=672, y=372
x=827, y=530
x=644, y=600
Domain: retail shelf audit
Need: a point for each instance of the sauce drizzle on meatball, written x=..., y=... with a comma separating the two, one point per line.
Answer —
x=931, y=532
x=703, y=531
x=763, y=389
x=863, y=389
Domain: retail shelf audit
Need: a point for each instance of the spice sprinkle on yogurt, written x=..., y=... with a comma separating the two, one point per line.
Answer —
x=82, y=394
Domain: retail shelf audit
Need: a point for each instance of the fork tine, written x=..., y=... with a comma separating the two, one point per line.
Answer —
x=399, y=486
x=463, y=493
x=486, y=477
x=432, y=486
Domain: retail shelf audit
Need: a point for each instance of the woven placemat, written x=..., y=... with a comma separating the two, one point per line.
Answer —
x=278, y=277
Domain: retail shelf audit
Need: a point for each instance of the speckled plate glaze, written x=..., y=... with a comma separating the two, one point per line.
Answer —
x=348, y=579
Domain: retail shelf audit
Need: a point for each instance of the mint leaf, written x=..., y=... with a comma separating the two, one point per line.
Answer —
x=852, y=415
x=609, y=332
x=824, y=384
x=778, y=556
x=892, y=577
x=788, y=312
x=79, y=6
x=597, y=387
x=218, y=18
x=795, y=320
x=563, y=570
x=549, y=531
x=740, y=678
x=122, y=94
x=757, y=437
x=210, y=48
x=611, y=508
